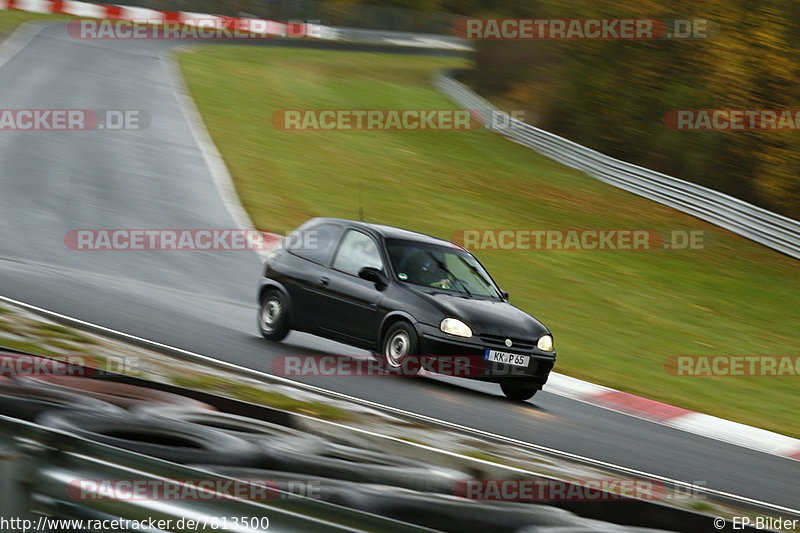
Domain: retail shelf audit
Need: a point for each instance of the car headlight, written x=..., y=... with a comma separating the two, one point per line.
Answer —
x=453, y=326
x=545, y=343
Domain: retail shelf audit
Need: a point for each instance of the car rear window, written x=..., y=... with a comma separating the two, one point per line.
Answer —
x=358, y=250
x=315, y=243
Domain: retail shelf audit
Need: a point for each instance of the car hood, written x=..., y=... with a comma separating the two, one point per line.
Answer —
x=483, y=316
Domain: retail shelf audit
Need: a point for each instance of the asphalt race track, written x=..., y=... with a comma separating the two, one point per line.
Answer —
x=52, y=182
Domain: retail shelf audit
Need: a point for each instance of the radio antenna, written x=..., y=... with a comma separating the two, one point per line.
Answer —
x=361, y=200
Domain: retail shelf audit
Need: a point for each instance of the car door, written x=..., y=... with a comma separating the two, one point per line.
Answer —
x=308, y=267
x=350, y=304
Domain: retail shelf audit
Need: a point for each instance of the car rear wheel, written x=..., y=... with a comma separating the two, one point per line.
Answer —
x=519, y=389
x=273, y=315
x=400, y=342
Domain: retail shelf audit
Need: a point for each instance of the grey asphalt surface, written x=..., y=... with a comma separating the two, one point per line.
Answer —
x=52, y=182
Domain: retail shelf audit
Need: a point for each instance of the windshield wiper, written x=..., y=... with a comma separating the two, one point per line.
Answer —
x=477, y=274
x=447, y=271
x=480, y=276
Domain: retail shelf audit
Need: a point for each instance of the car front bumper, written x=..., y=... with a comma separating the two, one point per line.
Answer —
x=470, y=357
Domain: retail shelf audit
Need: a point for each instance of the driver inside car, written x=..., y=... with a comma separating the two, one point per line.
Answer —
x=423, y=270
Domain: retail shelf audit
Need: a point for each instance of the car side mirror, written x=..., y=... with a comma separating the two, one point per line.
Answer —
x=504, y=294
x=375, y=275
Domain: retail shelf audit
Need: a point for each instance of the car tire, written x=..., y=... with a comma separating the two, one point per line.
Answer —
x=362, y=466
x=273, y=315
x=28, y=403
x=519, y=389
x=120, y=394
x=171, y=440
x=254, y=430
x=400, y=349
x=287, y=485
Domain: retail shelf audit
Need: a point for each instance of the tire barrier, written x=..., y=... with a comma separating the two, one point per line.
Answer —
x=336, y=491
x=287, y=449
x=450, y=513
x=171, y=440
x=363, y=466
x=186, y=431
x=251, y=429
x=349, y=453
x=28, y=403
x=590, y=526
x=435, y=511
x=121, y=394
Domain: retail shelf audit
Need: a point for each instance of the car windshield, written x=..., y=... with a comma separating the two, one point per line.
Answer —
x=440, y=267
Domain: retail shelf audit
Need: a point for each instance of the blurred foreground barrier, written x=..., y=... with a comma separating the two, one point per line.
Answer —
x=770, y=229
x=39, y=469
x=440, y=512
x=235, y=466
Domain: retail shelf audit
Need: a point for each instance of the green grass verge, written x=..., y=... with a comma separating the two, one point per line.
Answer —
x=9, y=20
x=616, y=316
x=61, y=332
x=253, y=394
x=26, y=346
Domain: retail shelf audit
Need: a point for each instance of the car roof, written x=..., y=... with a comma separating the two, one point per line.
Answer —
x=387, y=232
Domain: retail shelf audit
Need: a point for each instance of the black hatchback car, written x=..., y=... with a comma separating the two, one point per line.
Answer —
x=401, y=294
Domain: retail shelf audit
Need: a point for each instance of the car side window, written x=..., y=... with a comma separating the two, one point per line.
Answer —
x=315, y=243
x=357, y=251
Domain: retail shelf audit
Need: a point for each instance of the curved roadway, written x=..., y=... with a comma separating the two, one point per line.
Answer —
x=53, y=182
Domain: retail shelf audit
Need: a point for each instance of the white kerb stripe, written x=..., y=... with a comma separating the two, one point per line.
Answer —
x=35, y=6
x=84, y=9
x=735, y=433
x=141, y=14
x=573, y=387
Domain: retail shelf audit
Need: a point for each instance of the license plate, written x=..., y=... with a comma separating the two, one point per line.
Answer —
x=506, y=358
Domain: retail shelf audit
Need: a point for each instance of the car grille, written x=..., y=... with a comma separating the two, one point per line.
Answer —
x=500, y=342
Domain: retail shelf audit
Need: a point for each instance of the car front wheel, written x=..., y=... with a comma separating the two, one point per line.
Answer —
x=399, y=353
x=273, y=316
x=519, y=389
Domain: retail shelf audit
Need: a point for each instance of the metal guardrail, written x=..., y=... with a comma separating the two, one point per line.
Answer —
x=38, y=466
x=397, y=38
x=726, y=498
x=41, y=470
x=760, y=225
